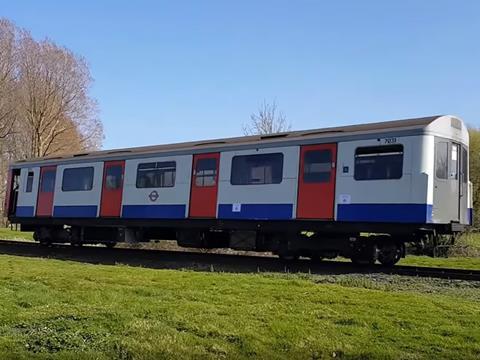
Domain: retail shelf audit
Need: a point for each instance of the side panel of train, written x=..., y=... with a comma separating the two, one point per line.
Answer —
x=357, y=181
x=380, y=182
x=157, y=188
x=417, y=179
x=412, y=185
x=258, y=184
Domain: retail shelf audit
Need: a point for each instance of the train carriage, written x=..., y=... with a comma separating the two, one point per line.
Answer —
x=360, y=191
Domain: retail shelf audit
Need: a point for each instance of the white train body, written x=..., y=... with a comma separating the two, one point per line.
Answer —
x=406, y=177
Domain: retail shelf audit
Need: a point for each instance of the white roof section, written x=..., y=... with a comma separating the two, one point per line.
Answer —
x=440, y=125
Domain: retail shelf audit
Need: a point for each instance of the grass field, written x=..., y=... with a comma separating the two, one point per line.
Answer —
x=7, y=234
x=467, y=245
x=64, y=310
x=472, y=263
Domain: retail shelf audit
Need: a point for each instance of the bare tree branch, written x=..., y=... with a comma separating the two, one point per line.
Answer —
x=45, y=106
x=267, y=120
x=54, y=85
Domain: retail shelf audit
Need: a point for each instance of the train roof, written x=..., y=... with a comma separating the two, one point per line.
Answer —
x=446, y=125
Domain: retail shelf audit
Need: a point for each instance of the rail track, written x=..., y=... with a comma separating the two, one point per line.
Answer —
x=160, y=259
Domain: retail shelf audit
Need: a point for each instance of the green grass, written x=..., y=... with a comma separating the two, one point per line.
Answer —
x=465, y=254
x=467, y=245
x=7, y=234
x=471, y=263
x=52, y=309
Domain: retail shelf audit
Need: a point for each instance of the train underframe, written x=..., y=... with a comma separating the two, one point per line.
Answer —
x=362, y=243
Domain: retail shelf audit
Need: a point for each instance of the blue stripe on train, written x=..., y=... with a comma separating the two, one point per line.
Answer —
x=470, y=216
x=403, y=213
x=78, y=211
x=256, y=211
x=25, y=211
x=154, y=211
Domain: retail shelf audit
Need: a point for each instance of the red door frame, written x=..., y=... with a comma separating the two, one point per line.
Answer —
x=111, y=200
x=203, y=199
x=45, y=199
x=316, y=200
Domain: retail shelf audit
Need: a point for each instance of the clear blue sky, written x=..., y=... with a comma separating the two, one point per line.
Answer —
x=168, y=71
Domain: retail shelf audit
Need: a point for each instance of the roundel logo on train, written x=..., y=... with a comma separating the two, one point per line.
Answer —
x=153, y=196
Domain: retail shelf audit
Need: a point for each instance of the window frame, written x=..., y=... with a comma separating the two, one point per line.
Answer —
x=356, y=155
x=90, y=184
x=464, y=167
x=454, y=164
x=306, y=175
x=232, y=168
x=204, y=176
x=157, y=169
x=42, y=181
x=447, y=160
x=120, y=183
x=30, y=181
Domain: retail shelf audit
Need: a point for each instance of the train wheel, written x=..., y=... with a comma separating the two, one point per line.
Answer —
x=390, y=253
x=43, y=237
x=365, y=253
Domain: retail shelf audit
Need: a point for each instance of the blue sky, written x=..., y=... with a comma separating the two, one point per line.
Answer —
x=168, y=71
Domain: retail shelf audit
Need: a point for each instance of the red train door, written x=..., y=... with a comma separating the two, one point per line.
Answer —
x=203, y=196
x=46, y=191
x=112, y=189
x=316, y=182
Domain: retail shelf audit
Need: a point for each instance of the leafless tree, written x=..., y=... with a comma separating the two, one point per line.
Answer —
x=8, y=109
x=7, y=78
x=54, y=100
x=45, y=107
x=267, y=120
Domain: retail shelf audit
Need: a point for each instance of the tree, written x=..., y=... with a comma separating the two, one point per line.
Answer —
x=53, y=99
x=45, y=106
x=7, y=99
x=474, y=150
x=7, y=79
x=267, y=120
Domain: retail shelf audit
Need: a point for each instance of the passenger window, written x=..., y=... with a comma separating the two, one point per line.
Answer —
x=206, y=172
x=317, y=166
x=29, y=186
x=257, y=169
x=379, y=162
x=441, y=157
x=156, y=174
x=78, y=179
x=464, y=165
x=48, y=181
x=114, y=177
x=453, y=162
